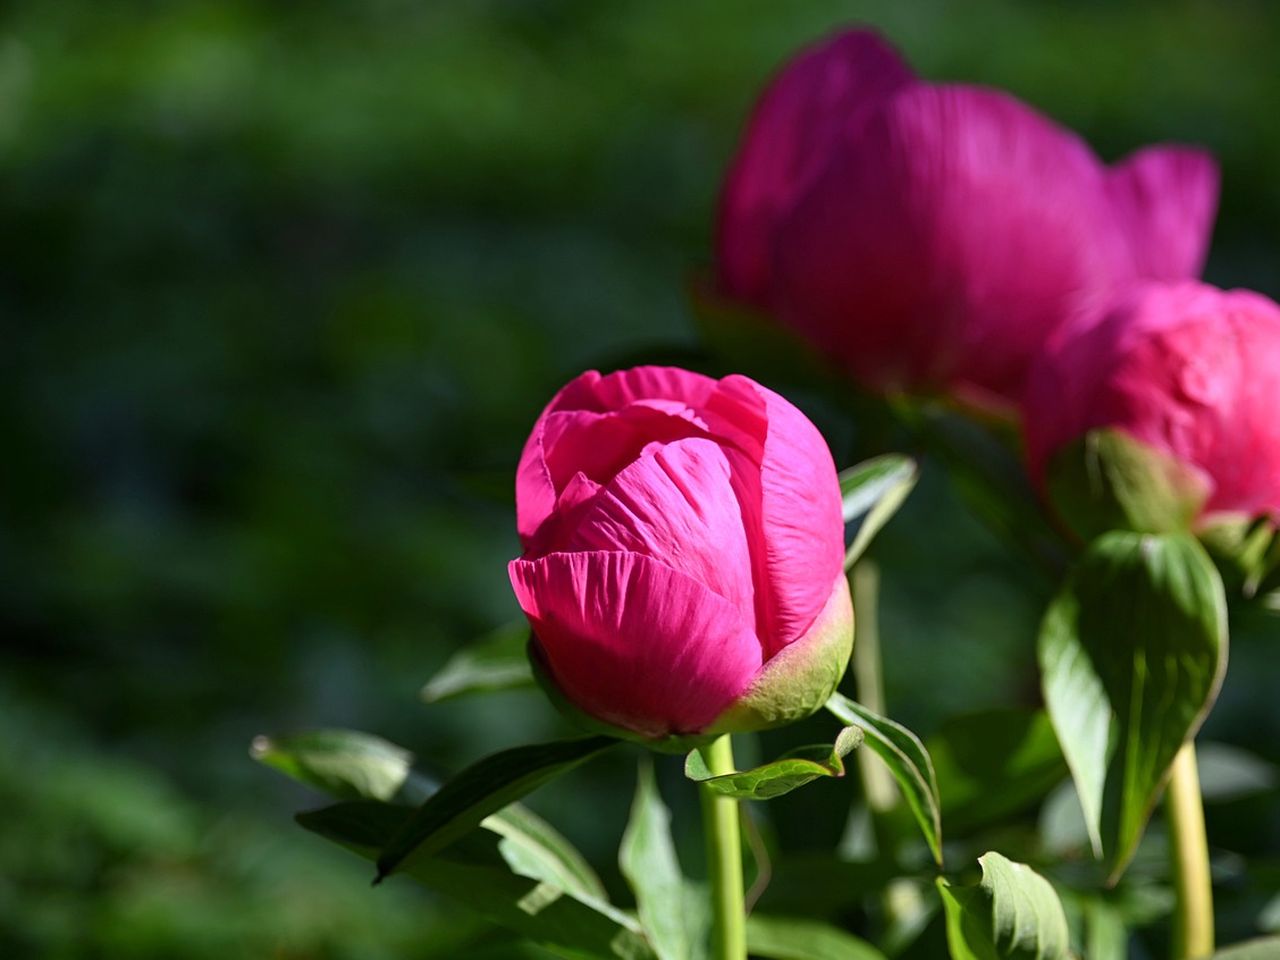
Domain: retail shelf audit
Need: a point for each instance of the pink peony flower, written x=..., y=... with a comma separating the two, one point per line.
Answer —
x=933, y=236
x=1189, y=370
x=683, y=553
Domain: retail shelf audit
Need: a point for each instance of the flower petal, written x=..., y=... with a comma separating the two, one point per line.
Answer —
x=676, y=506
x=790, y=501
x=788, y=137
x=946, y=241
x=634, y=642
x=1166, y=198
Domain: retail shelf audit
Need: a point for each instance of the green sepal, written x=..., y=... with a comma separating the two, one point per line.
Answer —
x=799, y=679
x=1108, y=480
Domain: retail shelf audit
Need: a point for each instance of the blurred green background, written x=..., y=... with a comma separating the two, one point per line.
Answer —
x=286, y=285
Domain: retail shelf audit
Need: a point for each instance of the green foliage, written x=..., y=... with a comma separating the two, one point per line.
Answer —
x=481, y=789
x=1013, y=914
x=908, y=761
x=674, y=915
x=788, y=938
x=473, y=873
x=797, y=767
x=497, y=661
x=872, y=492
x=1132, y=653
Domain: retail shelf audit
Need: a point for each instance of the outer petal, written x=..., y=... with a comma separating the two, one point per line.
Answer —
x=788, y=138
x=633, y=642
x=676, y=506
x=790, y=502
x=947, y=240
x=1166, y=198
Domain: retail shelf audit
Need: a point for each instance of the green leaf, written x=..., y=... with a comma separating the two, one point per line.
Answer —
x=994, y=763
x=472, y=873
x=791, y=938
x=1108, y=480
x=497, y=661
x=873, y=491
x=483, y=788
x=1265, y=948
x=648, y=860
x=798, y=767
x=1132, y=653
x=1013, y=914
x=908, y=761
x=345, y=764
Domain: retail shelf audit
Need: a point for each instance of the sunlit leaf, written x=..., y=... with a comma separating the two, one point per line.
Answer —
x=472, y=873
x=798, y=767
x=872, y=492
x=906, y=758
x=675, y=922
x=497, y=661
x=1013, y=914
x=480, y=790
x=1132, y=652
x=348, y=764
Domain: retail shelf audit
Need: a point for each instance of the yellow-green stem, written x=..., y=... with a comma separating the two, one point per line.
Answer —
x=1189, y=849
x=724, y=858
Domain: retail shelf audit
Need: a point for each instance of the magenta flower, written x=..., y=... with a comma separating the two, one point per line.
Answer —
x=933, y=236
x=683, y=553
x=1189, y=370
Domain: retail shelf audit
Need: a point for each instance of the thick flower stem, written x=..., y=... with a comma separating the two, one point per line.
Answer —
x=724, y=858
x=1189, y=849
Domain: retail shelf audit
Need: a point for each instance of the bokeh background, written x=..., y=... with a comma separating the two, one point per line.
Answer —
x=286, y=284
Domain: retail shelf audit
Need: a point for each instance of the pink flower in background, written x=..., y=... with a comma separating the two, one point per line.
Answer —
x=1188, y=369
x=933, y=236
x=683, y=553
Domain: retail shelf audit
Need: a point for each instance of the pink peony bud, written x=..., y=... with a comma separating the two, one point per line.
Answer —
x=933, y=236
x=1191, y=373
x=683, y=553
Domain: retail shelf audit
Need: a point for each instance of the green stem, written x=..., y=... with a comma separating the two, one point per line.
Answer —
x=902, y=902
x=1189, y=848
x=724, y=858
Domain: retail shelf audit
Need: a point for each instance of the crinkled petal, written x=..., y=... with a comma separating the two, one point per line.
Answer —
x=788, y=138
x=1166, y=198
x=635, y=643
x=676, y=506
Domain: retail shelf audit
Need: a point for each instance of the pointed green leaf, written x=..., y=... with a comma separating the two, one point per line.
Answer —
x=908, y=761
x=1132, y=653
x=798, y=767
x=483, y=788
x=472, y=873
x=497, y=661
x=348, y=764
x=648, y=861
x=791, y=938
x=1013, y=914
x=873, y=491
x=345, y=764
